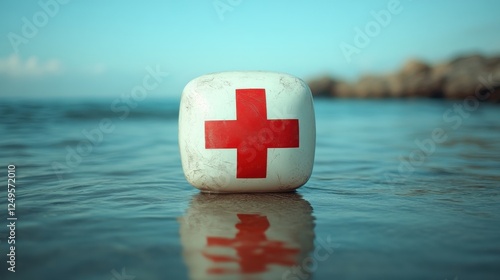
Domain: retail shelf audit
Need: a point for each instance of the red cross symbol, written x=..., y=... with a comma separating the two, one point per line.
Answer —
x=251, y=134
x=255, y=251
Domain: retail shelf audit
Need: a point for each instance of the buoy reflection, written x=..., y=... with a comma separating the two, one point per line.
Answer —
x=229, y=235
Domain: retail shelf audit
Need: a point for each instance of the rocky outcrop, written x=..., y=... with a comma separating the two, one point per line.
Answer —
x=322, y=86
x=473, y=75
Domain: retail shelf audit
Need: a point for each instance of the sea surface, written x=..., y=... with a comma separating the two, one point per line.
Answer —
x=401, y=189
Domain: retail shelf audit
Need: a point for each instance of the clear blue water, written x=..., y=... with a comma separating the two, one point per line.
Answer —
x=122, y=209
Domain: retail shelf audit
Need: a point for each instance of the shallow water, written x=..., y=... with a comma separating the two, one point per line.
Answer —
x=385, y=201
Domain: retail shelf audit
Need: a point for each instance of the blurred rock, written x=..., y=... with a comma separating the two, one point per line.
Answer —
x=322, y=86
x=371, y=87
x=342, y=89
x=457, y=79
x=413, y=67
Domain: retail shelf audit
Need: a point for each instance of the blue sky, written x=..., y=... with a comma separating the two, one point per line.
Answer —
x=102, y=48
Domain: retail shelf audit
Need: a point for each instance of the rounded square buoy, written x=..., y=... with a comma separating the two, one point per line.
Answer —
x=247, y=132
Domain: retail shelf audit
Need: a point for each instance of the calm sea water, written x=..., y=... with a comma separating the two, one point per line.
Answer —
x=386, y=200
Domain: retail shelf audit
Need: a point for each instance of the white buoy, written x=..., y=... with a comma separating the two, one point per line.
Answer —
x=247, y=132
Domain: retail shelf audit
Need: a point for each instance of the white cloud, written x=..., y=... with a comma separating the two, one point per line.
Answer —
x=97, y=69
x=14, y=66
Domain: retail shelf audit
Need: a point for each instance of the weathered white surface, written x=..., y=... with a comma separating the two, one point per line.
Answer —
x=213, y=97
